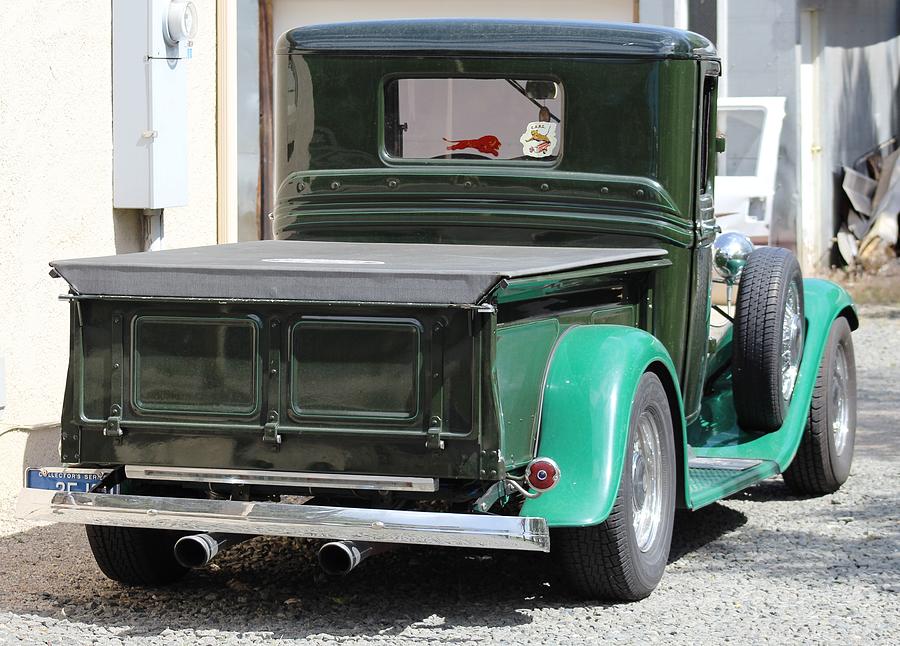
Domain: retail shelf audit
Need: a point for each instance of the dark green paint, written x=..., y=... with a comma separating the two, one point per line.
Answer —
x=626, y=178
x=324, y=128
x=520, y=375
x=311, y=442
x=536, y=287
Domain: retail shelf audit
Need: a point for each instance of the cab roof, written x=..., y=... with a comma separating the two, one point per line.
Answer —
x=512, y=37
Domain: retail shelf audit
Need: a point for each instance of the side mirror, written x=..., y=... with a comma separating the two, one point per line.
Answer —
x=731, y=251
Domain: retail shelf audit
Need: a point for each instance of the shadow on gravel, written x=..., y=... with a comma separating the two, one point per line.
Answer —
x=853, y=545
x=274, y=585
x=770, y=490
x=694, y=529
x=876, y=422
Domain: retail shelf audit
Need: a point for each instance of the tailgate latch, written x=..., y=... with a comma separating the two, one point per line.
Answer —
x=433, y=434
x=270, y=430
x=113, y=426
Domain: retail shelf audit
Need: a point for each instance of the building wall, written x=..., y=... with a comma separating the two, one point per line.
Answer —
x=860, y=81
x=761, y=60
x=858, y=61
x=671, y=13
x=56, y=196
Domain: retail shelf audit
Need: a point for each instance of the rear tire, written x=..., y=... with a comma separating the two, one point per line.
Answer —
x=822, y=463
x=769, y=330
x=623, y=558
x=136, y=555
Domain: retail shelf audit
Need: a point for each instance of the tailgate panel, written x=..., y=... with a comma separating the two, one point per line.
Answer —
x=295, y=387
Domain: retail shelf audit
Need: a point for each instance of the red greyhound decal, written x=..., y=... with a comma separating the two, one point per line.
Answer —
x=489, y=144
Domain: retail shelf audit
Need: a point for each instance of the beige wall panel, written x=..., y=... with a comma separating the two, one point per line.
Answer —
x=56, y=195
x=55, y=185
x=195, y=224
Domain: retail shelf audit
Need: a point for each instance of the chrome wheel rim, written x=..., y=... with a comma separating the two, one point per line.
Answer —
x=646, y=481
x=791, y=342
x=840, y=425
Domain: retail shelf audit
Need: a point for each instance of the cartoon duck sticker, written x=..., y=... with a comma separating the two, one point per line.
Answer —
x=488, y=144
x=539, y=139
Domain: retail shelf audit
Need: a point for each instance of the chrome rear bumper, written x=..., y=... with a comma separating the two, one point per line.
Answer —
x=281, y=519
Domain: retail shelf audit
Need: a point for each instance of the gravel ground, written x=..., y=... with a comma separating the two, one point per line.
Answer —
x=761, y=567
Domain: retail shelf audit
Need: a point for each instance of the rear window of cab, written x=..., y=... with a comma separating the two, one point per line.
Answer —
x=474, y=119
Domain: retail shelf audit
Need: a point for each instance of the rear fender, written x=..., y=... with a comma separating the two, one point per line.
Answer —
x=590, y=385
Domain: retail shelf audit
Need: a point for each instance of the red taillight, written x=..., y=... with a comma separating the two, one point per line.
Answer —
x=542, y=474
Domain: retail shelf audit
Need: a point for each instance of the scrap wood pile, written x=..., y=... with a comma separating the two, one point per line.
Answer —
x=868, y=238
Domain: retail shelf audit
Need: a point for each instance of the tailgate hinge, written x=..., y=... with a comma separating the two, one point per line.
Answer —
x=433, y=434
x=113, y=426
x=270, y=430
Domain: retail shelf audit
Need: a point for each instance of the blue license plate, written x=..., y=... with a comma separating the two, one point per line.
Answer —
x=62, y=479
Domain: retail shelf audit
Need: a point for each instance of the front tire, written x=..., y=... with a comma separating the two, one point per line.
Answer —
x=136, y=555
x=822, y=463
x=624, y=557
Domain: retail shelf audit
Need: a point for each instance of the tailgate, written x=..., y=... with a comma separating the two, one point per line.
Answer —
x=292, y=387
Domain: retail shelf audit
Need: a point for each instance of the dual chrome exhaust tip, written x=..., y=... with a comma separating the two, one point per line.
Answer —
x=197, y=550
x=341, y=557
x=336, y=558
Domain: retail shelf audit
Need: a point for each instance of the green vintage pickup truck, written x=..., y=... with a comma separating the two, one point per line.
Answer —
x=487, y=321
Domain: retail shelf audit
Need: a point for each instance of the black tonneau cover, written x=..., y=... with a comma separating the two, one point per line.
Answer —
x=329, y=271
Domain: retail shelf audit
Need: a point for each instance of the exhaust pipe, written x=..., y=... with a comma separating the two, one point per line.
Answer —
x=199, y=549
x=340, y=557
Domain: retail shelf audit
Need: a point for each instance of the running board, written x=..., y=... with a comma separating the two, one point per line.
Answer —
x=729, y=464
x=711, y=479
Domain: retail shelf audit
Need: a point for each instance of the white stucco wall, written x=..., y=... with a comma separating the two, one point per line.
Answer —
x=56, y=194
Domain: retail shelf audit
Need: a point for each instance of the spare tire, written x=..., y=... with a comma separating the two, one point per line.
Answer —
x=769, y=330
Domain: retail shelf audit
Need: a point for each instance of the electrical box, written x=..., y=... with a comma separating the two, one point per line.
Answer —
x=152, y=43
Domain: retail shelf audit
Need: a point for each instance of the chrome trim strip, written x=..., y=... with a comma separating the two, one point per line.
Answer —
x=282, y=478
x=282, y=519
x=729, y=464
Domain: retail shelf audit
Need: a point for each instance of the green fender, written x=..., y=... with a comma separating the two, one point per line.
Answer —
x=823, y=302
x=593, y=374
